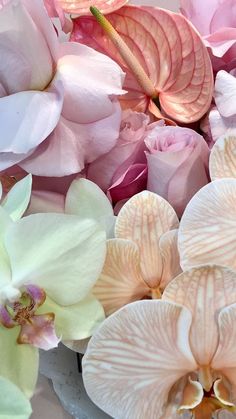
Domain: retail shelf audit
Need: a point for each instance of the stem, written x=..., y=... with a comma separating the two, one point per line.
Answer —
x=127, y=55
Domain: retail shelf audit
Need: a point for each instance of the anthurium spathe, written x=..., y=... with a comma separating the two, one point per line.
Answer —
x=208, y=227
x=49, y=264
x=82, y=7
x=143, y=257
x=13, y=403
x=169, y=51
x=47, y=115
x=16, y=201
x=169, y=358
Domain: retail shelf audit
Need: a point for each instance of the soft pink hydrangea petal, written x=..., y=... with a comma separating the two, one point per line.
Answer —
x=221, y=41
x=224, y=16
x=27, y=118
x=39, y=332
x=135, y=358
x=199, y=13
x=180, y=69
x=225, y=93
x=81, y=7
x=88, y=94
x=72, y=145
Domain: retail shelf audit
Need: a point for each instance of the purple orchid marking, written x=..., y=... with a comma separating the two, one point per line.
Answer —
x=37, y=330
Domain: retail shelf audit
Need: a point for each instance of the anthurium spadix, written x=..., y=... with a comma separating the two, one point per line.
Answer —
x=143, y=257
x=207, y=232
x=17, y=199
x=170, y=358
x=169, y=62
x=48, y=266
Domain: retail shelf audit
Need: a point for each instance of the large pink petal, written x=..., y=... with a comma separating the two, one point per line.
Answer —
x=121, y=280
x=180, y=69
x=88, y=94
x=22, y=42
x=27, y=118
x=72, y=145
x=221, y=41
x=81, y=7
x=143, y=219
x=136, y=356
x=208, y=227
x=224, y=16
x=204, y=291
x=199, y=13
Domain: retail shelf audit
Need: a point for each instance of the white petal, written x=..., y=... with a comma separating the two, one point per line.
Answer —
x=225, y=93
x=17, y=199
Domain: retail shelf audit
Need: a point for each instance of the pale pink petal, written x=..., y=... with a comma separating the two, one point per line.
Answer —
x=199, y=13
x=19, y=68
x=133, y=181
x=39, y=332
x=225, y=93
x=121, y=280
x=208, y=227
x=180, y=69
x=170, y=257
x=204, y=291
x=136, y=356
x=72, y=145
x=27, y=118
x=221, y=41
x=45, y=201
x=88, y=94
x=224, y=16
x=143, y=219
x=220, y=125
x=81, y=7
x=223, y=158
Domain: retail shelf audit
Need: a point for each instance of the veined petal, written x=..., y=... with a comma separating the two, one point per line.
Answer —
x=208, y=227
x=223, y=158
x=170, y=257
x=60, y=253
x=77, y=321
x=17, y=199
x=143, y=219
x=121, y=280
x=136, y=356
x=85, y=199
x=82, y=7
x=13, y=403
x=204, y=291
x=19, y=363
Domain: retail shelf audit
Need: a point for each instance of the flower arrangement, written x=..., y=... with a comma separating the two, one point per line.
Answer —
x=117, y=203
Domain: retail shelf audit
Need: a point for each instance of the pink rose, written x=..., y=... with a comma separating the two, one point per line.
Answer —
x=216, y=21
x=56, y=107
x=177, y=161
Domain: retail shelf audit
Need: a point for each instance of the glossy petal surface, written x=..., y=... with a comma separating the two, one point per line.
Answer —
x=81, y=7
x=208, y=227
x=17, y=199
x=20, y=408
x=136, y=356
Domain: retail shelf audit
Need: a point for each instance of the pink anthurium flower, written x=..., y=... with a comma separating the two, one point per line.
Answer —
x=208, y=227
x=48, y=265
x=143, y=257
x=174, y=69
x=53, y=116
x=169, y=358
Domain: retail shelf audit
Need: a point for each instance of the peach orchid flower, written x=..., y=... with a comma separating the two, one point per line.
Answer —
x=143, y=257
x=171, y=358
x=223, y=157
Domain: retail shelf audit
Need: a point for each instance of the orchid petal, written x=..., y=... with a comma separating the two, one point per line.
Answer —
x=222, y=391
x=27, y=118
x=170, y=257
x=5, y=267
x=136, y=356
x=208, y=227
x=85, y=199
x=221, y=126
x=225, y=96
x=79, y=346
x=83, y=7
x=77, y=321
x=203, y=291
x=180, y=69
x=223, y=158
x=18, y=198
x=19, y=363
x=143, y=219
x=20, y=408
x=60, y=253
x=121, y=280
x=192, y=395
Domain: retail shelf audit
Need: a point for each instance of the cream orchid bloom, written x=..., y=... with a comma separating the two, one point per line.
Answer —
x=171, y=358
x=16, y=201
x=143, y=257
x=48, y=266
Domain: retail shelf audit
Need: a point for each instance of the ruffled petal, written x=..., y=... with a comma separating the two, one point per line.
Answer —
x=136, y=356
x=60, y=253
x=204, y=291
x=143, y=219
x=208, y=227
x=121, y=280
